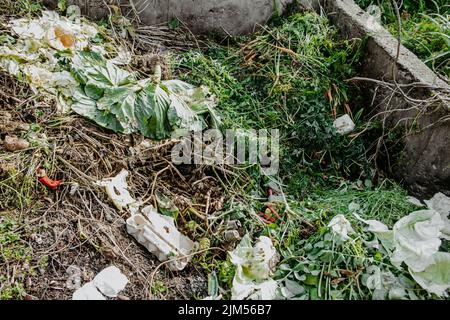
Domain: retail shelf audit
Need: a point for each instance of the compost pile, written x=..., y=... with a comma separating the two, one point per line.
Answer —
x=92, y=207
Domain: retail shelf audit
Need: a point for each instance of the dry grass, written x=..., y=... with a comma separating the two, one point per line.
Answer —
x=76, y=225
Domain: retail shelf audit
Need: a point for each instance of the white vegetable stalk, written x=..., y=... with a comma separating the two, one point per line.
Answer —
x=158, y=74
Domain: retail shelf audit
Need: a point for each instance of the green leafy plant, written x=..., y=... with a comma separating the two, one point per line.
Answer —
x=425, y=29
x=13, y=251
x=62, y=5
x=159, y=288
x=287, y=77
x=21, y=7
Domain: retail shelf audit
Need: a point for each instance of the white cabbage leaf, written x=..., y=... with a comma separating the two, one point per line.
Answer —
x=254, y=265
x=441, y=203
x=436, y=277
x=417, y=239
x=341, y=227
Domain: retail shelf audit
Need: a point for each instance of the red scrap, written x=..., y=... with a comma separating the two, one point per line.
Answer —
x=273, y=216
x=45, y=180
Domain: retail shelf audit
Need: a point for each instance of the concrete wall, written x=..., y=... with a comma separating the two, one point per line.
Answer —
x=425, y=163
x=232, y=17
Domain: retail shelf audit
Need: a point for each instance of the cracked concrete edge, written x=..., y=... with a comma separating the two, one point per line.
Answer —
x=228, y=17
x=424, y=166
x=355, y=22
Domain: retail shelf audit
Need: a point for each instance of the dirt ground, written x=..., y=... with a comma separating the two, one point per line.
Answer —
x=76, y=225
x=62, y=238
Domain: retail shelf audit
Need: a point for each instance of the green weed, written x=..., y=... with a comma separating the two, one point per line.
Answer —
x=21, y=7
x=425, y=29
x=289, y=77
x=14, y=251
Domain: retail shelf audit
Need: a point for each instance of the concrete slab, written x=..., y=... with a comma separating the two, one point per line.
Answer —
x=233, y=17
x=414, y=98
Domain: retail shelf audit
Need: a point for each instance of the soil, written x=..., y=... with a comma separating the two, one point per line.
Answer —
x=76, y=225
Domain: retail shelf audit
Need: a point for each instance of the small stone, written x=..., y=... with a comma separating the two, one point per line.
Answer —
x=344, y=125
x=231, y=235
x=29, y=297
x=13, y=143
x=74, y=279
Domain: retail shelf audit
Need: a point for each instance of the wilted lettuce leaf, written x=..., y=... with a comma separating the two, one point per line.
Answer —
x=155, y=109
x=91, y=67
x=88, y=107
x=417, y=239
x=436, y=277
